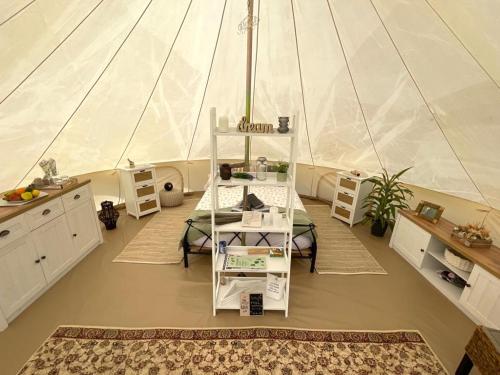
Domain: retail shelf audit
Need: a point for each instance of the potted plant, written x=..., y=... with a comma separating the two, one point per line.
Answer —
x=387, y=195
x=282, y=171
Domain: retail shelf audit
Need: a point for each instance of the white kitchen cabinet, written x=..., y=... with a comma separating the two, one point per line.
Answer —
x=55, y=247
x=85, y=233
x=21, y=276
x=482, y=297
x=411, y=241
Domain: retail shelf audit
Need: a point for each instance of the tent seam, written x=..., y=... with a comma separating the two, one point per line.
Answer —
x=301, y=82
x=463, y=44
x=354, y=85
x=208, y=79
x=155, y=85
x=16, y=13
x=433, y=114
x=51, y=53
x=88, y=92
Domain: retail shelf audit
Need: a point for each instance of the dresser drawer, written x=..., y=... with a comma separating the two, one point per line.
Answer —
x=76, y=197
x=345, y=198
x=12, y=229
x=143, y=176
x=342, y=212
x=142, y=191
x=147, y=205
x=44, y=213
x=347, y=183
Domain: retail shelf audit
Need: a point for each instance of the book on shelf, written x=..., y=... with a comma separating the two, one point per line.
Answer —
x=249, y=262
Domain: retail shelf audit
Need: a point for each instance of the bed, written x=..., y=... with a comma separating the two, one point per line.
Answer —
x=196, y=238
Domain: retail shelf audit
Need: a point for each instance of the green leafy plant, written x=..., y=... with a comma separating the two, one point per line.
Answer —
x=282, y=167
x=388, y=195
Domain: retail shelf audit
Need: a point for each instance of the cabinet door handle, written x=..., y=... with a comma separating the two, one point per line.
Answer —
x=43, y=257
x=77, y=196
x=74, y=234
x=4, y=233
x=468, y=285
x=46, y=212
x=37, y=261
x=422, y=250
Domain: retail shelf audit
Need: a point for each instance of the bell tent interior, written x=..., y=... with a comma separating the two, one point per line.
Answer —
x=338, y=161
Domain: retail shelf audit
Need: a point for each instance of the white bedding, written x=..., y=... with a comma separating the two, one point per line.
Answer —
x=270, y=195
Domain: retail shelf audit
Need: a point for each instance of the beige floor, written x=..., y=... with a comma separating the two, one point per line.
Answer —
x=99, y=292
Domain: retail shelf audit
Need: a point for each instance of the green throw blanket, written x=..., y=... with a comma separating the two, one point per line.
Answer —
x=202, y=222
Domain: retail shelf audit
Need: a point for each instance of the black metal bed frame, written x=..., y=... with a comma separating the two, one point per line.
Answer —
x=208, y=236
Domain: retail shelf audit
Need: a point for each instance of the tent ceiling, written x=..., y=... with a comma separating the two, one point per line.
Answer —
x=375, y=83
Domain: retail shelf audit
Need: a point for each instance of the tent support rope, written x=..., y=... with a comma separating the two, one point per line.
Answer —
x=208, y=79
x=51, y=53
x=463, y=45
x=88, y=92
x=301, y=81
x=434, y=115
x=154, y=86
x=353, y=84
x=16, y=13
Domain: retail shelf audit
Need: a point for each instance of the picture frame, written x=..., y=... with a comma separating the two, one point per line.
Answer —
x=429, y=211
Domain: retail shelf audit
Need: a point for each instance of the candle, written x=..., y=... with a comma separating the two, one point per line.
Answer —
x=223, y=124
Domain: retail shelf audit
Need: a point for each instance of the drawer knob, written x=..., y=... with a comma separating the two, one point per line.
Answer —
x=4, y=233
x=46, y=212
x=142, y=170
x=74, y=234
x=77, y=196
x=422, y=250
x=468, y=285
x=37, y=261
x=144, y=185
x=43, y=257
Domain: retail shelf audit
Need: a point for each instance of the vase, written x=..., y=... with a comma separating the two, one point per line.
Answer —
x=281, y=177
x=225, y=171
x=283, y=124
x=108, y=215
x=378, y=229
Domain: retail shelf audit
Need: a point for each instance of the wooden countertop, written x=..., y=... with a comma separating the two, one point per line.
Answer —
x=489, y=259
x=7, y=213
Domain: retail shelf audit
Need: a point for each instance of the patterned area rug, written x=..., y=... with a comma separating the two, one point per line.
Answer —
x=78, y=350
x=158, y=242
x=339, y=251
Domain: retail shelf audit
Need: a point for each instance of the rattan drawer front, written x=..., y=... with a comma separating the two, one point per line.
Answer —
x=345, y=198
x=348, y=184
x=342, y=212
x=144, y=190
x=143, y=175
x=148, y=205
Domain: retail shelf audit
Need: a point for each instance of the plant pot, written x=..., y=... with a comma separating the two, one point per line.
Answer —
x=281, y=177
x=378, y=229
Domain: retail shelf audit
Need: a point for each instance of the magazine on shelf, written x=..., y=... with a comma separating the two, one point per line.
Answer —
x=251, y=219
x=249, y=262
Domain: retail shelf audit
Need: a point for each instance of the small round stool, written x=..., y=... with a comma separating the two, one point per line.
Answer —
x=174, y=197
x=171, y=198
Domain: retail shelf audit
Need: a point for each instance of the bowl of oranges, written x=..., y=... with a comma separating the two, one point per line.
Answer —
x=22, y=195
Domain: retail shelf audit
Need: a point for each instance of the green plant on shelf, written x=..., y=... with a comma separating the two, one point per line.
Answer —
x=282, y=171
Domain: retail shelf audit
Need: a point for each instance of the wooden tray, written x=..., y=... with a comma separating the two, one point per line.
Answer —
x=474, y=243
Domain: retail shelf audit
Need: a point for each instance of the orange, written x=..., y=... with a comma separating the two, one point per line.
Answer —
x=20, y=190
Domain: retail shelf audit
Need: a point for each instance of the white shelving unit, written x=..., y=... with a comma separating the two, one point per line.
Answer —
x=281, y=265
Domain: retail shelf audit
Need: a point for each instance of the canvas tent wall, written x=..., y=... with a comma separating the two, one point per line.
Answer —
x=376, y=83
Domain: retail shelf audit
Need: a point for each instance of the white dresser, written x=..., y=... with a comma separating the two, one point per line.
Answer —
x=141, y=192
x=423, y=244
x=39, y=243
x=348, y=197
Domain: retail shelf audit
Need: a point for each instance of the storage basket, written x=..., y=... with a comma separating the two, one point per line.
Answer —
x=457, y=261
x=174, y=197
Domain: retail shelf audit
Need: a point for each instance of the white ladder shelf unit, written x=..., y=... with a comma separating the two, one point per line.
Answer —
x=280, y=266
